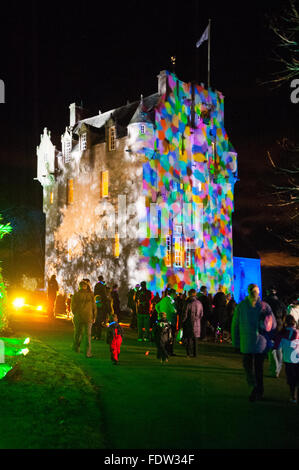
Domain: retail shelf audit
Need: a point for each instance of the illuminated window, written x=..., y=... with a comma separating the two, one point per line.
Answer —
x=111, y=138
x=168, y=251
x=67, y=150
x=178, y=252
x=83, y=141
x=178, y=246
x=70, y=191
x=188, y=253
x=51, y=197
x=116, y=246
x=104, y=183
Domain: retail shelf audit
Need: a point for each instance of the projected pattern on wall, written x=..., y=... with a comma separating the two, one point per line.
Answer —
x=190, y=161
x=169, y=164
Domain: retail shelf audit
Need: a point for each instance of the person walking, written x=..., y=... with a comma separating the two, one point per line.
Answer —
x=179, y=305
x=293, y=309
x=167, y=305
x=132, y=305
x=202, y=296
x=191, y=323
x=144, y=300
x=89, y=286
x=219, y=302
x=98, y=325
x=163, y=336
x=84, y=315
x=277, y=306
x=252, y=321
x=52, y=294
x=279, y=310
x=229, y=311
x=100, y=287
x=114, y=339
x=100, y=294
x=116, y=301
x=108, y=305
x=288, y=341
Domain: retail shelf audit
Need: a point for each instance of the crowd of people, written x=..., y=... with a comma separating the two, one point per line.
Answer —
x=255, y=328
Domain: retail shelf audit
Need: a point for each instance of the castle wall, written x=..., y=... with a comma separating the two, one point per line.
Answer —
x=167, y=217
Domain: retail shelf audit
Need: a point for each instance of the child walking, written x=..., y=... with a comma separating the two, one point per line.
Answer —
x=288, y=341
x=114, y=339
x=163, y=337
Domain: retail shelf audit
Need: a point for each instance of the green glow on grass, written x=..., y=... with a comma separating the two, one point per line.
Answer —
x=4, y=368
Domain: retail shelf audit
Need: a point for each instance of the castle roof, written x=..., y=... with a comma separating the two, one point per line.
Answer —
x=138, y=111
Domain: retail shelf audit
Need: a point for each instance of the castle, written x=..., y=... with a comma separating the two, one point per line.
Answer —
x=142, y=192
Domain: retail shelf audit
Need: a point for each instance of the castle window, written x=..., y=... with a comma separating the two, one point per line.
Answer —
x=67, y=150
x=168, y=251
x=83, y=141
x=70, y=191
x=188, y=259
x=105, y=183
x=111, y=138
x=116, y=246
x=142, y=129
x=51, y=197
x=178, y=246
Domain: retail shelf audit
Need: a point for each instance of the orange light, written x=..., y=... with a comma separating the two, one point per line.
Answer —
x=18, y=302
x=116, y=246
x=105, y=183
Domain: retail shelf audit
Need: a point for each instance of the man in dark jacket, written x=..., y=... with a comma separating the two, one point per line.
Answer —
x=252, y=322
x=219, y=302
x=279, y=310
x=144, y=300
x=100, y=294
x=163, y=337
x=277, y=306
x=116, y=301
x=191, y=323
x=202, y=296
x=52, y=293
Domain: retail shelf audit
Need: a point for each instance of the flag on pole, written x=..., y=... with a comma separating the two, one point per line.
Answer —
x=204, y=37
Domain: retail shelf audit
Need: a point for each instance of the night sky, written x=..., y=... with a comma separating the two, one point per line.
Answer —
x=53, y=54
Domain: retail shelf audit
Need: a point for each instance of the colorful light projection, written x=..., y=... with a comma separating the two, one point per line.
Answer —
x=182, y=160
x=190, y=161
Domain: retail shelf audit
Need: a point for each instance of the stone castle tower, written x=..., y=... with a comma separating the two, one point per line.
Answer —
x=142, y=192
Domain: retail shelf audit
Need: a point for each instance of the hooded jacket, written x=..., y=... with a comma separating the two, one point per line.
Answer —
x=167, y=305
x=288, y=341
x=191, y=318
x=83, y=306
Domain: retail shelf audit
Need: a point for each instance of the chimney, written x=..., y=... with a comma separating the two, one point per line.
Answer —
x=73, y=114
x=162, y=82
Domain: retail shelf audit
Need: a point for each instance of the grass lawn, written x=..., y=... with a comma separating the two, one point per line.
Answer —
x=41, y=404
x=201, y=403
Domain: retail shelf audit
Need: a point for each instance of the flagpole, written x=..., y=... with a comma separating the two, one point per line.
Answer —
x=209, y=52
